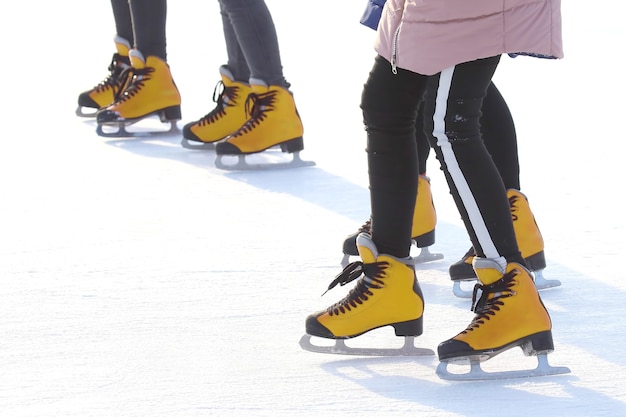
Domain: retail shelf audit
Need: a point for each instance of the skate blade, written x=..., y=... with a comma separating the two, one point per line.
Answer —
x=243, y=165
x=192, y=144
x=81, y=113
x=476, y=373
x=541, y=283
x=460, y=292
x=345, y=260
x=340, y=348
x=427, y=256
x=121, y=132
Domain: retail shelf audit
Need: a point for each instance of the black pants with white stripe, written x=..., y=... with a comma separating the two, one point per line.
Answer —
x=452, y=117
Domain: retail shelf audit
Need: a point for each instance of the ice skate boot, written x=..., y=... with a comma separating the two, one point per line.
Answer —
x=225, y=119
x=529, y=241
x=273, y=120
x=150, y=91
x=386, y=294
x=423, y=231
x=104, y=93
x=509, y=314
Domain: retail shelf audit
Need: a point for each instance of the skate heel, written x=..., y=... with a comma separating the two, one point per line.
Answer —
x=170, y=113
x=536, y=262
x=427, y=239
x=409, y=328
x=538, y=343
x=293, y=145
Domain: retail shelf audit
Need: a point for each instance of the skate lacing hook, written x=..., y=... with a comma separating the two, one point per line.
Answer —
x=490, y=300
x=372, y=278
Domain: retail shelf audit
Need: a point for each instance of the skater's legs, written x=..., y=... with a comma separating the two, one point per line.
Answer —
x=251, y=42
x=387, y=292
x=236, y=63
x=390, y=103
x=123, y=20
x=149, y=19
x=150, y=88
x=421, y=139
x=498, y=131
x=455, y=101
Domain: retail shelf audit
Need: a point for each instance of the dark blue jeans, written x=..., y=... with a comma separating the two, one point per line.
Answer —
x=251, y=42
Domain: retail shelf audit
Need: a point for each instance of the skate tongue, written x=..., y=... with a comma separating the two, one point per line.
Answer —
x=367, y=250
x=487, y=270
x=137, y=59
x=491, y=292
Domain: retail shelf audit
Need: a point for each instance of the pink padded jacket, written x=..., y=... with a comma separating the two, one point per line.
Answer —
x=428, y=36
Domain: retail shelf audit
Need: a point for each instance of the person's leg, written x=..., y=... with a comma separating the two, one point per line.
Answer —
x=274, y=119
x=123, y=20
x=387, y=292
x=421, y=139
x=150, y=89
x=500, y=139
x=236, y=64
x=253, y=66
x=149, y=22
x=455, y=102
x=509, y=312
x=424, y=215
x=499, y=135
x=230, y=96
x=498, y=132
x=251, y=39
x=390, y=104
x=103, y=94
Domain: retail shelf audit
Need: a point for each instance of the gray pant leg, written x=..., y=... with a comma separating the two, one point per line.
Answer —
x=251, y=42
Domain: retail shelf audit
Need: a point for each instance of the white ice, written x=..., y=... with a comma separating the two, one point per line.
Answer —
x=136, y=279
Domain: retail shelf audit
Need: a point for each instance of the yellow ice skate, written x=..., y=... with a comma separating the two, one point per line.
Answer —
x=225, y=119
x=104, y=93
x=150, y=91
x=529, y=240
x=386, y=294
x=423, y=230
x=509, y=314
x=273, y=120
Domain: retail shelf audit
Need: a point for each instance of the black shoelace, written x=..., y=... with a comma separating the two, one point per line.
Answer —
x=491, y=299
x=372, y=273
x=114, y=80
x=257, y=106
x=137, y=76
x=224, y=97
